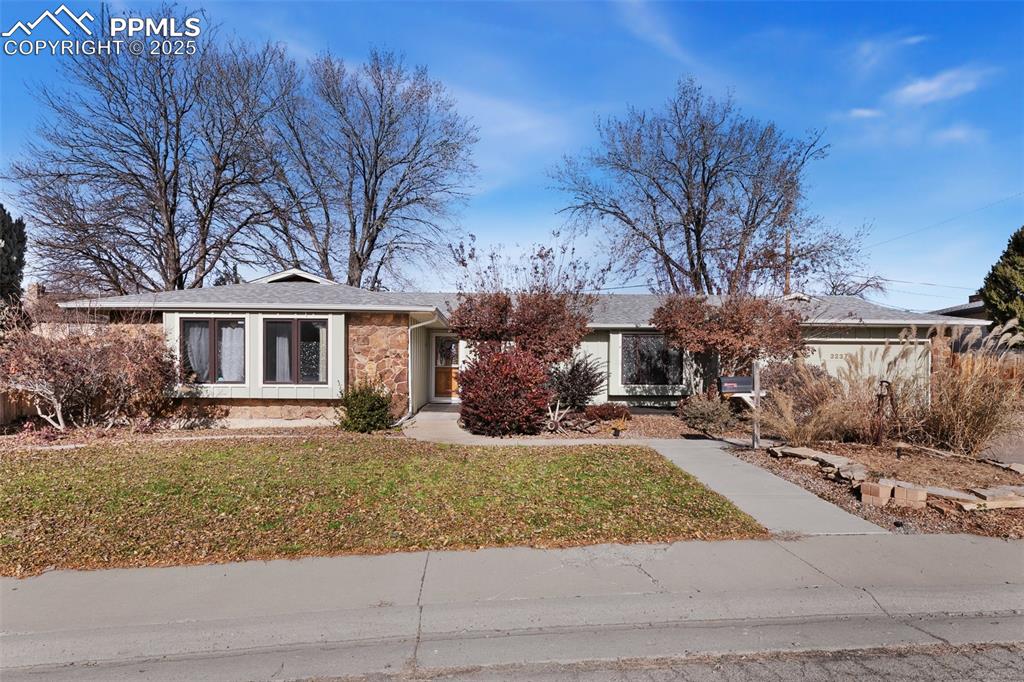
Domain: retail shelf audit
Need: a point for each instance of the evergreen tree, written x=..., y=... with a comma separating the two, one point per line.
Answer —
x=1003, y=290
x=227, y=275
x=12, y=256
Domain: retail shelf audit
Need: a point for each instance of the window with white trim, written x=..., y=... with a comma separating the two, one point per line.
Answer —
x=294, y=351
x=213, y=350
x=647, y=360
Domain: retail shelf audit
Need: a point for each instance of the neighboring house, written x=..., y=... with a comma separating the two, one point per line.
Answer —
x=973, y=309
x=285, y=344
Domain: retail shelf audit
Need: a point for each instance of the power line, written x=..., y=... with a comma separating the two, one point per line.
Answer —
x=916, y=293
x=947, y=220
x=907, y=281
x=865, y=277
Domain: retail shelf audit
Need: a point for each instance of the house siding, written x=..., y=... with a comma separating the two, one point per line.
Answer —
x=421, y=367
x=254, y=387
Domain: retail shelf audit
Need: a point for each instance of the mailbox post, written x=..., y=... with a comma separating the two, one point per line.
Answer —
x=757, y=405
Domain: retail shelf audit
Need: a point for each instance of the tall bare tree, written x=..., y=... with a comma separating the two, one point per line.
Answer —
x=368, y=164
x=144, y=174
x=701, y=199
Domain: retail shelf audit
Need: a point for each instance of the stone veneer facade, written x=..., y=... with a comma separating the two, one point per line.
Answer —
x=378, y=350
x=266, y=408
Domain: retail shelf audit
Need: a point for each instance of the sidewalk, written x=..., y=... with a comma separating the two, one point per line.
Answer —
x=441, y=610
x=778, y=505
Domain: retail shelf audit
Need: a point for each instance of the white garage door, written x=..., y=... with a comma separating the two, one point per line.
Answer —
x=882, y=361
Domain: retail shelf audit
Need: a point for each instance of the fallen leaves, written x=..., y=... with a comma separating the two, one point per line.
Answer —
x=145, y=503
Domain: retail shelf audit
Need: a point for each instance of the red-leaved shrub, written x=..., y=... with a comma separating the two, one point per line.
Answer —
x=504, y=393
x=607, y=412
x=98, y=376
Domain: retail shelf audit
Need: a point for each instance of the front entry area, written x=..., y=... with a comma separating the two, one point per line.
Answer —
x=445, y=378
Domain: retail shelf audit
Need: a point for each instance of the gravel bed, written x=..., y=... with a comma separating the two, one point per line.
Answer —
x=1000, y=523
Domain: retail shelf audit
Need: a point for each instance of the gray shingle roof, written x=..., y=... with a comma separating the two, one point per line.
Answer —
x=969, y=307
x=625, y=310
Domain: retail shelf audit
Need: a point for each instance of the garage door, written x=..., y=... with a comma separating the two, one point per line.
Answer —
x=880, y=360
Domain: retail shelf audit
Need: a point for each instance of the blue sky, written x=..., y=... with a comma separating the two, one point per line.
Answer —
x=923, y=104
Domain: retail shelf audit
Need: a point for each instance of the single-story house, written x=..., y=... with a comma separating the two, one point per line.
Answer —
x=284, y=345
x=974, y=309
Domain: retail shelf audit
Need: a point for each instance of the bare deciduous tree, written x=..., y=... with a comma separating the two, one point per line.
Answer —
x=368, y=163
x=700, y=199
x=145, y=172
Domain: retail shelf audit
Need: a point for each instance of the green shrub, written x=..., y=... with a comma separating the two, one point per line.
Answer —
x=710, y=416
x=365, y=407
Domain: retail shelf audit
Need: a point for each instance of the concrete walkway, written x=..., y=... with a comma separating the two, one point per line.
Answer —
x=426, y=611
x=778, y=505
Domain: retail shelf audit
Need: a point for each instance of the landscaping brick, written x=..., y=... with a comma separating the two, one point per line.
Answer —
x=914, y=498
x=875, y=494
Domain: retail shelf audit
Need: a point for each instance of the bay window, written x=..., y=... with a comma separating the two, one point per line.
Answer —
x=295, y=351
x=648, y=361
x=213, y=350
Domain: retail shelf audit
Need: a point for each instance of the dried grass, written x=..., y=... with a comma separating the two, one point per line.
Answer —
x=970, y=398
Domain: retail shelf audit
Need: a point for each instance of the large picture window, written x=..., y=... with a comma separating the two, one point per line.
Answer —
x=648, y=361
x=213, y=350
x=295, y=352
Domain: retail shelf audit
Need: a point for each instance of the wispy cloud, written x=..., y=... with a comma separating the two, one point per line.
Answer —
x=644, y=22
x=868, y=55
x=864, y=113
x=516, y=138
x=960, y=133
x=945, y=85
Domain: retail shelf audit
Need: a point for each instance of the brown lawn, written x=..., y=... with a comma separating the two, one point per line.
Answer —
x=146, y=503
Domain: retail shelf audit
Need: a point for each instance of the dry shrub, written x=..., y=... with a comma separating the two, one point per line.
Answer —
x=94, y=376
x=607, y=412
x=805, y=405
x=970, y=398
x=976, y=395
x=709, y=415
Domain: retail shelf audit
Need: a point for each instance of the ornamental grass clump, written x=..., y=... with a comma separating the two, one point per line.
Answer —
x=977, y=394
x=805, y=405
x=575, y=382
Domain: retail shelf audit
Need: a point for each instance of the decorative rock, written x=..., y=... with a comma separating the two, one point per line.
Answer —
x=998, y=493
x=804, y=453
x=854, y=472
x=949, y=494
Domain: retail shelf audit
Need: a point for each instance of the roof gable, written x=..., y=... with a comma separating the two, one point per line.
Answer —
x=293, y=275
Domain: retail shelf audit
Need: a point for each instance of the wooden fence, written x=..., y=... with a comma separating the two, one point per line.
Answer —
x=12, y=408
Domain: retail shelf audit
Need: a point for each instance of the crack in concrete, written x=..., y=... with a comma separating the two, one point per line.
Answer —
x=639, y=566
x=419, y=616
x=878, y=603
x=796, y=556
